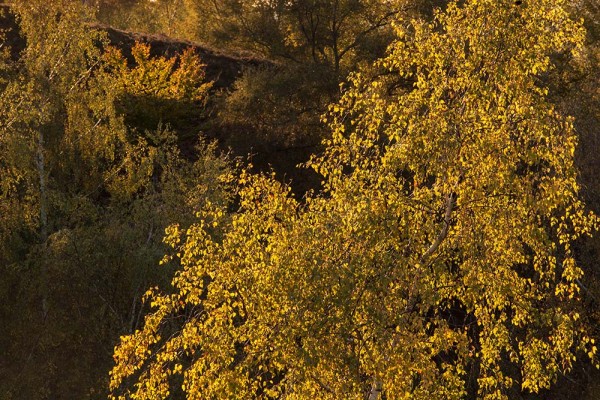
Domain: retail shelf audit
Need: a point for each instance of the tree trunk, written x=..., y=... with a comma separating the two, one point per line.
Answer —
x=41, y=169
x=375, y=390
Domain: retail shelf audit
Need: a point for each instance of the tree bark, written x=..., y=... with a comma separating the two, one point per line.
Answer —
x=375, y=390
x=41, y=169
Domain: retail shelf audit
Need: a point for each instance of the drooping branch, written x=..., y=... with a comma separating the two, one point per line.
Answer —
x=377, y=386
x=444, y=232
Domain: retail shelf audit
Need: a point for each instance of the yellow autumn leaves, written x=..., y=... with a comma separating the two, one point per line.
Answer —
x=438, y=260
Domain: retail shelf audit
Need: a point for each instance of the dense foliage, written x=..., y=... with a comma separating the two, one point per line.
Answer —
x=90, y=176
x=438, y=261
x=446, y=252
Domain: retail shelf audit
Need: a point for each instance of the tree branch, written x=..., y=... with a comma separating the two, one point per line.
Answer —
x=444, y=232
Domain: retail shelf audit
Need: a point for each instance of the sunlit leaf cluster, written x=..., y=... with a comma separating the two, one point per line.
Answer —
x=438, y=261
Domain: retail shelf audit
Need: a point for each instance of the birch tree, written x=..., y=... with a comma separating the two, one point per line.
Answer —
x=85, y=192
x=437, y=263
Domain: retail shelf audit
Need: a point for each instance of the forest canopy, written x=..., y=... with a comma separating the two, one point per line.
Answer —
x=437, y=241
x=438, y=260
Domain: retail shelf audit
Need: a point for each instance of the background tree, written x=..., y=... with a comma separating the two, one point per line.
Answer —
x=276, y=109
x=85, y=195
x=120, y=14
x=273, y=112
x=326, y=32
x=439, y=261
x=175, y=18
x=575, y=89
